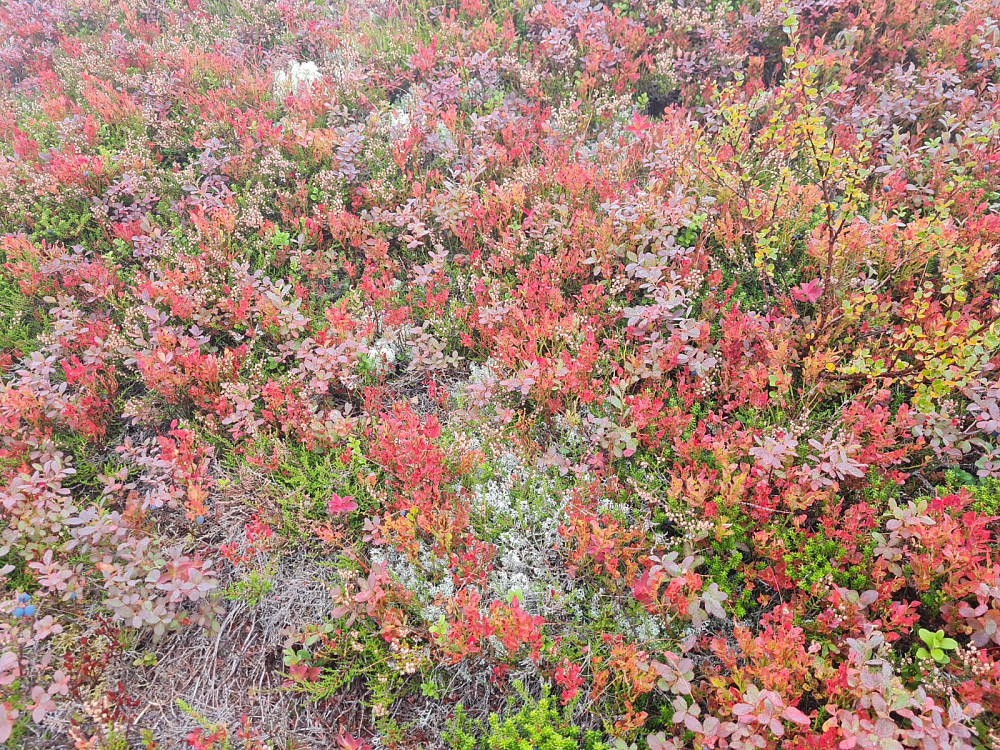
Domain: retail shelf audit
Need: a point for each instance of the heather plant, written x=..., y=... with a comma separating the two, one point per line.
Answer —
x=536, y=724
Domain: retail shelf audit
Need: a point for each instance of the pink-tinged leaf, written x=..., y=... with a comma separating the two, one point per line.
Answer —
x=60, y=683
x=346, y=741
x=7, y=717
x=809, y=292
x=692, y=724
x=660, y=741
x=339, y=505
x=795, y=716
x=9, y=669
x=639, y=124
x=42, y=703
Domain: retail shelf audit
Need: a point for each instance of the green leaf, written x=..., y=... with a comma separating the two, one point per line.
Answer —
x=939, y=656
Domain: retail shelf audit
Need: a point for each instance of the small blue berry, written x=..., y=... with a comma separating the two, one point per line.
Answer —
x=979, y=66
x=29, y=611
x=72, y=596
x=18, y=611
x=886, y=189
x=200, y=519
x=23, y=599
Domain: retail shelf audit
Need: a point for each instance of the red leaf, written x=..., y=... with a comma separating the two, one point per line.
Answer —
x=338, y=504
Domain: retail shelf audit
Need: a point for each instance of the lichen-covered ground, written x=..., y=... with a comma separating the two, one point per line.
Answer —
x=499, y=375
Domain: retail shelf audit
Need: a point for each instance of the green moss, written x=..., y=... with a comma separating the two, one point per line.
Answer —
x=253, y=587
x=725, y=566
x=21, y=320
x=536, y=725
x=312, y=477
x=816, y=559
x=18, y=580
x=987, y=497
x=362, y=660
x=880, y=490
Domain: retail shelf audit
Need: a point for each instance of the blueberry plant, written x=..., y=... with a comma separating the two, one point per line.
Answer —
x=500, y=374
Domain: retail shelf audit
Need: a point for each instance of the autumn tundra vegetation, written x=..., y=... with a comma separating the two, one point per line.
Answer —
x=500, y=374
